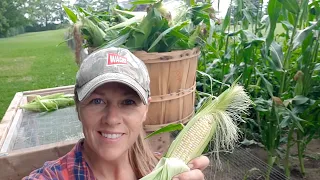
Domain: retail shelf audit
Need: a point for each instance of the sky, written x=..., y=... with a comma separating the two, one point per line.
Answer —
x=224, y=5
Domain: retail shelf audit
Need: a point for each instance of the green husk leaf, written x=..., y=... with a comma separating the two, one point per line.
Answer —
x=52, y=96
x=137, y=38
x=34, y=106
x=117, y=42
x=168, y=128
x=166, y=169
x=177, y=26
x=135, y=19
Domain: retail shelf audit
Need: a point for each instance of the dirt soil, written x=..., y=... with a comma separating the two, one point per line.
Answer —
x=246, y=158
x=311, y=160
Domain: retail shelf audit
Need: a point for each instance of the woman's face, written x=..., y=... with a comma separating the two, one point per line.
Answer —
x=112, y=118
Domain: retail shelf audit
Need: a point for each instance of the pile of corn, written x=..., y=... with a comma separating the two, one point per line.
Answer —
x=215, y=122
x=50, y=102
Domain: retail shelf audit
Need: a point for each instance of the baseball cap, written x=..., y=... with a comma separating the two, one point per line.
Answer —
x=112, y=65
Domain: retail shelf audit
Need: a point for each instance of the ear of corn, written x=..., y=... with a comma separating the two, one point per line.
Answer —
x=49, y=102
x=194, y=139
x=50, y=96
x=215, y=122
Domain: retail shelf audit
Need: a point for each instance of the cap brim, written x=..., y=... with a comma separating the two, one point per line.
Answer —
x=88, y=88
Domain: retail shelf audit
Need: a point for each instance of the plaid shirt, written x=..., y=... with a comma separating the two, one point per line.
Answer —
x=71, y=166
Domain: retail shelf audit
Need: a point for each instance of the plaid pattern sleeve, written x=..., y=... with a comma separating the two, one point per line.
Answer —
x=72, y=166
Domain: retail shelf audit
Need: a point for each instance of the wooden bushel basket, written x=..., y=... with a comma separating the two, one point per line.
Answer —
x=173, y=85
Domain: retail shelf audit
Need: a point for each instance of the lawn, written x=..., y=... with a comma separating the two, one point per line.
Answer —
x=34, y=61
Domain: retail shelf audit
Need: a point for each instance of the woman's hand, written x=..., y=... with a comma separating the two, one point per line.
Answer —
x=196, y=165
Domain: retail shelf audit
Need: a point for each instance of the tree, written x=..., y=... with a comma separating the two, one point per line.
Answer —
x=246, y=11
x=44, y=12
x=11, y=16
x=4, y=24
x=96, y=4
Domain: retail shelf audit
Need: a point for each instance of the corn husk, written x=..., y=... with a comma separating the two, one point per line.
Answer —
x=225, y=111
x=49, y=103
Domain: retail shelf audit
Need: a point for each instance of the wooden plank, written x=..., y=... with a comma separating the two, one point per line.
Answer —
x=18, y=164
x=32, y=94
x=12, y=133
x=13, y=130
x=9, y=116
x=50, y=90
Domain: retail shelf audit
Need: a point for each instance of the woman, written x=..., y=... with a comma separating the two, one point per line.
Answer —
x=112, y=94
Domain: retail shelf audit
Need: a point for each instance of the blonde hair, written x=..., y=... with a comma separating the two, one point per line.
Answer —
x=141, y=157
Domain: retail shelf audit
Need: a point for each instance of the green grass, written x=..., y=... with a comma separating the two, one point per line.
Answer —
x=34, y=61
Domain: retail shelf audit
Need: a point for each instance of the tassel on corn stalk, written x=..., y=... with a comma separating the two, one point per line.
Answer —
x=215, y=121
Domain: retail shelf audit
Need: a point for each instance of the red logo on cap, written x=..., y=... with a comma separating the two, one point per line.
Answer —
x=116, y=59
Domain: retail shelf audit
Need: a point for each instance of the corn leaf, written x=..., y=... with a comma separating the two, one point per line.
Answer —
x=267, y=84
x=299, y=100
x=212, y=28
x=138, y=39
x=277, y=55
x=191, y=2
x=138, y=2
x=317, y=67
x=168, y=128
x=72, y=16
x=96, y=35
x=287, y=25
x=226, y=20
x=303, y=34
x=193, y=38
x=135, y=19
x=117, y=42
x=246, y=13
x=291, y=5
x=80, y=9
x=177, y=26
x=274, y=9
x=178, y=34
